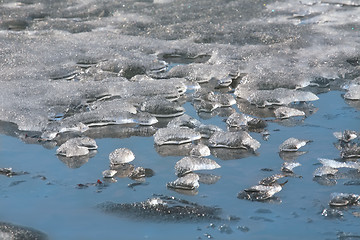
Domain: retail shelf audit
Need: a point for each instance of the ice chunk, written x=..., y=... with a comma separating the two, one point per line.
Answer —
x=189, y=164
x=138, y=173
x=278, y=96
x=350, y=151
x=240, y=120
x=344, y=199
x=109, y=173
x=77, y=147
x=346, y=136
x=288, y=167
x=9, y=231
x=200, y=150
x=120, y=156
x=188, y=182
x=184, y=121
x=207, y=131
x=286, y=112
x=292, y=144
x=260, y=192
x=160, y=107
x=175, y=136
x=238, y=139
x=336, y=164
x=325, y=171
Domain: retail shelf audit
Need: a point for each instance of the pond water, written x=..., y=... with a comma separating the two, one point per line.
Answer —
x=48, y=199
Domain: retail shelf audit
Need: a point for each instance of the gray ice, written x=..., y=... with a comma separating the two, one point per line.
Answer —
x=278, y=96
x=238, y=139
x=120, y=156
x=287, y=112
x=189, y=164
x=77, y=147
x=292, y=144
x=160, y=107
x=189, y=181
x=176, y=135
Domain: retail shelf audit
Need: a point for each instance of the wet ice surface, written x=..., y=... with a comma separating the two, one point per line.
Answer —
x=75, y=69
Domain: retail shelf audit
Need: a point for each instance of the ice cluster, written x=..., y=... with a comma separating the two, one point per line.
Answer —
x=75, y=71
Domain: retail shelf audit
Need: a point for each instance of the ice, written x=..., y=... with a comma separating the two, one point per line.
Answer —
x=240, y=120
x=9, y=231
x=189, y=181
x=176, y=135
x=350, y=151
x=353, y=93
x=344, y=199
x=238, y=139
x=163, y=208
x=160, y=107
x=77, y=147
x=184, y=121
x=109, y=173
x=336, y=164
x=292, y=144
x=325, y=171
x=189, y=164
x=120, y=156
x=278, y=96
x=265, y=190
x=286, y=112
x=200, y=150
x=346, y=136
x=288, y=167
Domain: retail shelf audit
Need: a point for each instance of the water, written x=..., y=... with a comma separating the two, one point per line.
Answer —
x=55, y=206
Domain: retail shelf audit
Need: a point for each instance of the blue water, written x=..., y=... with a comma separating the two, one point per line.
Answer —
x=57, y=207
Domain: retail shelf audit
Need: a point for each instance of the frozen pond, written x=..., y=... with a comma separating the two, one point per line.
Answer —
x=169, y=81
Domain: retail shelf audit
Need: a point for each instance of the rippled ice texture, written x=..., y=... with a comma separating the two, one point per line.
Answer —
x=59, y=59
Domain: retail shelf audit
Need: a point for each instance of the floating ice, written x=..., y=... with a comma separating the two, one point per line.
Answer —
x=350, y=151
x=207, y=131
x=175, y=136
x=160, y=107
x=184, y=121
x=266, y=189
x=138, y=173
x=279, y=96
x=77, y=147
x=9, y=231
x=120, y=156
x=163, y=208
x=325, y=171
x=286, y=112
x=200, y=150
x=288, y=167
x=240, y=120
x=238, y=139
x=109, y=173
x=346, y=136
x=189, y=164
x=189, y=181
x=344, y=199
x=336, y=164
x=292, y=144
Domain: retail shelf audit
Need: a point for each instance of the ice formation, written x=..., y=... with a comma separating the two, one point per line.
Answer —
x=175, y=135
x=292, y=144
x=238, y=139
x=77, y=147
x=120, y=156
x=189, y=164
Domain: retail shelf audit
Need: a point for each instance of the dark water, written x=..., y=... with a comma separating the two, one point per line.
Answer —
x=48, y=199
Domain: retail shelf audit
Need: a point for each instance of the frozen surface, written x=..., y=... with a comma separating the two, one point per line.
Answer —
x=122, y=73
